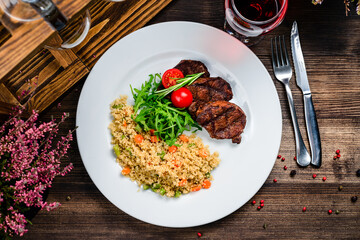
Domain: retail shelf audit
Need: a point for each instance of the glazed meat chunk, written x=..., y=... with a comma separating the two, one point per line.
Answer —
x=188, y=67
x=206, y=90
x=223, y=120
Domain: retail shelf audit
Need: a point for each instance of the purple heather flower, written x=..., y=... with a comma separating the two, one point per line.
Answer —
x=31, y=159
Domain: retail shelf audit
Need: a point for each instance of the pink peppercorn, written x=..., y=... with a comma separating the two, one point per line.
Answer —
x=283, y=159
x=324, y=178
x=285, y=167
x=337, y=151
x=258, y=208
x=278, y=156
x=335, y=157
x=314, y=175
x=295, y=158
x=304, y=209
x=275, y=180
x=199, y=234
x=330, y=211
x=262, y=201
x=253, y=202
x=338, y=156
x=262, y=205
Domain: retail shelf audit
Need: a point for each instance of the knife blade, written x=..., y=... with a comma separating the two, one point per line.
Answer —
x=303, y=83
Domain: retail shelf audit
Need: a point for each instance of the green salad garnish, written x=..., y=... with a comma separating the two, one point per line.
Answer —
x=154, y=111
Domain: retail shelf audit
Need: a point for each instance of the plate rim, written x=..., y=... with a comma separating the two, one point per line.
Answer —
x=104, y=56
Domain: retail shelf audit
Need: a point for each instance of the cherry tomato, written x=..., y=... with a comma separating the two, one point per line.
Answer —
x=169, y=77
x=181, y=98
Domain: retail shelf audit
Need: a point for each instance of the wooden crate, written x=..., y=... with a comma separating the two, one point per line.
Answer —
x=35, y=77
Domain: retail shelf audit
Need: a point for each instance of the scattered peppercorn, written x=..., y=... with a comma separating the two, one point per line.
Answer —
x=324, y=179
x=285, y=167
x=330, y=211
x=283, y=159
x=262, y=205
x=314, y=175
x=262, y=201
x=278, y=156
x=275, y=180
x=293, y=173
x=340, y=187
x=338, y=156
x=258, y=208
x=304, y=209
x=253, y=202
x=337, y=212
x=265, y=226
x=68, y=198
x=354, y=198
x=199, y=234
x=338, y=151
x=335, y=157
x=295, y=158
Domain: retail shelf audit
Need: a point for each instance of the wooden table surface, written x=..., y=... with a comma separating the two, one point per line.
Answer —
x=331, y=46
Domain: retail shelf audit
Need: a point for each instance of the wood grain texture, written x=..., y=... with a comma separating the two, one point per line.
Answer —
x=136, y=13
x=47, y=70
x=27, y=38
x=25, y=41
x=330, y=43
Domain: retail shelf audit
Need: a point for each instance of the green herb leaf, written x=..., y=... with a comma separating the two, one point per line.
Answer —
x=153, y=111
x=189, y=79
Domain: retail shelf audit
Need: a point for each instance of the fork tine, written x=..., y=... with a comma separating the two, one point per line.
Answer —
x=285, y=50
x=276, y=53
x=281, y=52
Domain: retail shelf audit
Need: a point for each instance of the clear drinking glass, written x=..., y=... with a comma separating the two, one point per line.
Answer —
x=19, y=11
x=249, y=20
x=72, y=33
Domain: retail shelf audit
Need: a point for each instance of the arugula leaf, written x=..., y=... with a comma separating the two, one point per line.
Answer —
x=153, y=111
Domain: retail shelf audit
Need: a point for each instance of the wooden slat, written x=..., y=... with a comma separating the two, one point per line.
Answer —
x=7, y=96
x=110, y=22
x=28, y=38
x=71, y=8
x=25, y=41
x=137, y=13
x=4, y=34
x=65, y=56
x=57, y=86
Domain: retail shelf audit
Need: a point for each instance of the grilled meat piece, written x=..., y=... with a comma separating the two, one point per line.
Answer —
x=188, y=67
x=223, y=120
x=206, y=90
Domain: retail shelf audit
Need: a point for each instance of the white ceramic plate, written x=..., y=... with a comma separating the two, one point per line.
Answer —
x=243, y=168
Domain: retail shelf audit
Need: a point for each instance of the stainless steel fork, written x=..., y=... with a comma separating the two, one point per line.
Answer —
x=283, y=73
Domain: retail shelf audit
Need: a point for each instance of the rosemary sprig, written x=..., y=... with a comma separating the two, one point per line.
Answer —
x=181, y=82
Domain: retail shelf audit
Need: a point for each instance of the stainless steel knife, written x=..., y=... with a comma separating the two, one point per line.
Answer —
x=303, y=83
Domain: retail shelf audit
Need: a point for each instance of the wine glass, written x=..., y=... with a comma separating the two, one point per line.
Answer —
x=19, y=11
x=71, y=33
x=249, y=20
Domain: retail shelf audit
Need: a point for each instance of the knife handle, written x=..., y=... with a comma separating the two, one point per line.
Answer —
x=312, y=130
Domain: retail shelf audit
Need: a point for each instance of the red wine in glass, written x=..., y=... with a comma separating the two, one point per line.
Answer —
x=249, y=20
x=257, y=10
